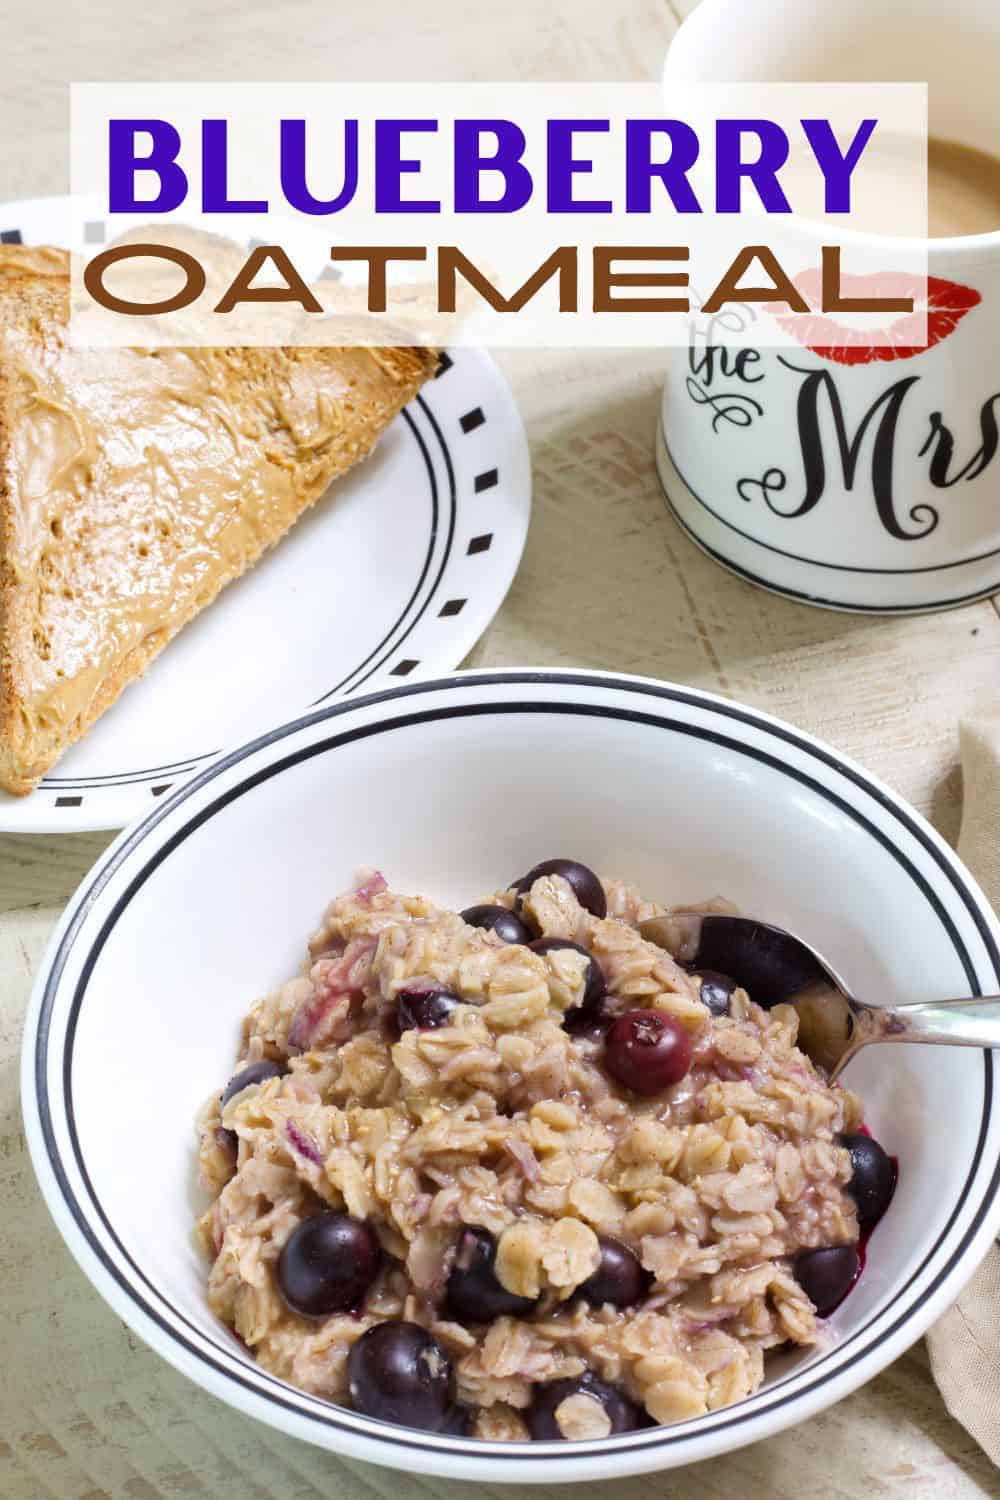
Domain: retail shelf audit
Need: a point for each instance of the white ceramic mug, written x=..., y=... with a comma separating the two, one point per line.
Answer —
x=910, y=519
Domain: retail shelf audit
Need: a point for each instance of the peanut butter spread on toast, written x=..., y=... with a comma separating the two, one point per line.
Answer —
x=135, y=484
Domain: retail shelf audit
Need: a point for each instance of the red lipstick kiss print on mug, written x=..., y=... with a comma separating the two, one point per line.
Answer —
x=944, y=303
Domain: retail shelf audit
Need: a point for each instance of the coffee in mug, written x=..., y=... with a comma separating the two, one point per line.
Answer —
x=858, y=478
x=963, y=189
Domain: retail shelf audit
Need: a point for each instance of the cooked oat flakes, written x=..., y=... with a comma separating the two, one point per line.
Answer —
x=455, y=1094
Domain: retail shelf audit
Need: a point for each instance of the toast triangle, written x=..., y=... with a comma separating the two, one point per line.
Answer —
x=135, y=484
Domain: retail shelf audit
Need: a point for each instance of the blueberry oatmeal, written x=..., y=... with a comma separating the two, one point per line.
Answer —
x=516, y=1172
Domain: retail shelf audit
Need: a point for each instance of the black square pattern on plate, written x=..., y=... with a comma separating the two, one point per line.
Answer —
x=445, y=363
x=472, y=419
x=94, y=232
x=10, y=237
x=487, y=481
x=159, y=790
x=480, y=544
x=404, y=668
x=453, y=607
x=69, y=801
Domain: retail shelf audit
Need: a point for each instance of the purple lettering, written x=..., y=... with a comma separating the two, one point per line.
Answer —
x=836, y=166
x=215, y=197
x=293, y=169
x=640, y=169
x=391, y=165
x=470, y=163
x=563, y=166
x=730, y=168
x=123, y=164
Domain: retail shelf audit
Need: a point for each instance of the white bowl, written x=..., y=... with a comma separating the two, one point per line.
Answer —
x=452, y=788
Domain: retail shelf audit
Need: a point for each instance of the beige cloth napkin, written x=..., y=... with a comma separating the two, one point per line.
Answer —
x=964, y=1345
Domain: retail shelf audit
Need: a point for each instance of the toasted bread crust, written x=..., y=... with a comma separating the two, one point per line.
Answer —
x=32, y=260
x=293, y=420
x=11, y=778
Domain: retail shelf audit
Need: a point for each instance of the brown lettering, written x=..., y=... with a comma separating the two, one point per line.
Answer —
x=378, y=258
x=605, y=279
x=451, y=263
x=782, y=289
x=834, y=302
x=294, y=289
x=93, y=278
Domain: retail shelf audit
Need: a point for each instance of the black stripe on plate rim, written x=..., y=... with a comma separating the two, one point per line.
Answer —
x=449, y=543
x=815, y=562
x=329, y=1418
x=192, y=763
x=435, y=521
x=90, y=783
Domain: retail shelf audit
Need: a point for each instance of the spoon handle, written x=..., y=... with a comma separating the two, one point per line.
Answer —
x=964, y=1022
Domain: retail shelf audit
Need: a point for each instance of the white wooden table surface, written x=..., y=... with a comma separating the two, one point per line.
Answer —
x=86, y=1411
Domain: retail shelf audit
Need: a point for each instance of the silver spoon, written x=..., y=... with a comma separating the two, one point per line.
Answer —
x=774, y=966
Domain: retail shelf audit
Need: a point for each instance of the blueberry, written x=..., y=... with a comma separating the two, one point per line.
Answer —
x=424, y=1009
x=457, y=1421
x=507, y=925
x=398, y=1373
x=826, y=1276
x=619, y=1278
x=257, y=1072
x=716, y=990
x=586, y=886
x=646, y=1051
x=328, y=1263
x=624, y=1414
x=594, y=985
x=873, y=1177
x=474, y=1293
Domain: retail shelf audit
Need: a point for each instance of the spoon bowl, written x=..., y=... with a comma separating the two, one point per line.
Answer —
x=775, y=967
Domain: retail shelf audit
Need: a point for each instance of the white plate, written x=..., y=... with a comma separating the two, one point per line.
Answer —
x=393, y=576
x=454, y=788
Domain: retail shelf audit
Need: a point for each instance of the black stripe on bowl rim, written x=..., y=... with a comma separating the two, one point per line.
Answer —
x=266, y=1388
